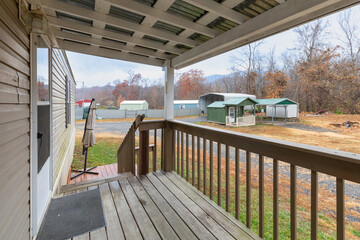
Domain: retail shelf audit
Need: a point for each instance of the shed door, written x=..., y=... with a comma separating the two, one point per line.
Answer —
x=232, y=113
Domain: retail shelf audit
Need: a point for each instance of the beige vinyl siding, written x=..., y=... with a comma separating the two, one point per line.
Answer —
x=63, y=138
x=14, y=124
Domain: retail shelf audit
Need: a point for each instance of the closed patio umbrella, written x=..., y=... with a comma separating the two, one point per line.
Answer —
x=88, y=138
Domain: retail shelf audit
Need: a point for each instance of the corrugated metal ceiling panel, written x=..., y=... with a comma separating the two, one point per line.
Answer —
x=222, y=25
x=119, y=30
x=126, y=15
x=167, y=27
x=252, y=8
x=199, y=37
x=73, y=18
x=89, y=4
x=155, y=39
x=186, y=10
x=147, y=2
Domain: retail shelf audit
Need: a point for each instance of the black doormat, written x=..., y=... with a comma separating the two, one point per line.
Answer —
x=73, y=215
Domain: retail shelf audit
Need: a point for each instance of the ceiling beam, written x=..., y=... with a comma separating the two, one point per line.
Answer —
x=102, y=52
x=114, y=21
x=219, y=9
x=283, y=17
x=163, y=16
x=110, y=34
x=162, y=5
x=109, y=44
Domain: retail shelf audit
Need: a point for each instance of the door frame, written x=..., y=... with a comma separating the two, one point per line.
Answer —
x=34, y=226
x=232, y=119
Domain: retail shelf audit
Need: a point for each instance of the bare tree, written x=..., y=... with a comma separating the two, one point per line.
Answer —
x=350, y=36
x=310, y=38
x=249, y=61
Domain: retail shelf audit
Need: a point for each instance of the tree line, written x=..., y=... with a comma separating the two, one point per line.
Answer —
x=316, y=73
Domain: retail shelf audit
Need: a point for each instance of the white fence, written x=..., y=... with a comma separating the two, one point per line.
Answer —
x=150, y=113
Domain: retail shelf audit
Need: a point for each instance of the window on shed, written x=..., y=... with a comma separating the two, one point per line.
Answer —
x=67, y=102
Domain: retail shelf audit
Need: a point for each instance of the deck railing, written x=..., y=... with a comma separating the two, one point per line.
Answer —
x=190, y=149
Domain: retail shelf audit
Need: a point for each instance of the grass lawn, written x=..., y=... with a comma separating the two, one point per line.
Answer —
x=327, y=221
x=345, y=139
x=104, y=152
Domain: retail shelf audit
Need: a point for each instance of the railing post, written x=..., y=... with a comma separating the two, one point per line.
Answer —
x=144, y=153
x=126, y=151
x=169, y=148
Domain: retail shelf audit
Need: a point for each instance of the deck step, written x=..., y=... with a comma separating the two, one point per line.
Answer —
x=81, y=185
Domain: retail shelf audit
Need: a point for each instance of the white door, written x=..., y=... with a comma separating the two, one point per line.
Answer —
x=232, y=113
x=41, y=134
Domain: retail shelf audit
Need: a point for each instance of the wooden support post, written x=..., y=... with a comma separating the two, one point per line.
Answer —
x=144, y=153
x=169, y=92
x=169, y=148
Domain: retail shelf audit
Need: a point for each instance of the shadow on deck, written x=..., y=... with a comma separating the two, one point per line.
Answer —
x=158, y=205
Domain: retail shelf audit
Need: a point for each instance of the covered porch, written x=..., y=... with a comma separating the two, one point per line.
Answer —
x=154, y=195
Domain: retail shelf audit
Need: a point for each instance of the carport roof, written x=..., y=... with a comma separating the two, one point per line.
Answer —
x=275, y=101
x=181, y=32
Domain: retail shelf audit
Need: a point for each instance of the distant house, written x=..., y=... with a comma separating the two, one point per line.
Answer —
x=86, y=103
x=134, y=105
x=209, y=98
x=231, y=112
x=184, y=104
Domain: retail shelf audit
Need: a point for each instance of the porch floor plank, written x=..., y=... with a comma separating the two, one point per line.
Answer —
x=160, y=206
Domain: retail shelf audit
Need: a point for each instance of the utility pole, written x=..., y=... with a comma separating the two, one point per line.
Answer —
x=83, y=92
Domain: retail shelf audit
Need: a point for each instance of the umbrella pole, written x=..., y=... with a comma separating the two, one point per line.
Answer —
x=84, y=170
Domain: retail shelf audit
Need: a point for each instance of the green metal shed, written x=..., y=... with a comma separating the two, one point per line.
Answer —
x=216, y=112
x=234, y=107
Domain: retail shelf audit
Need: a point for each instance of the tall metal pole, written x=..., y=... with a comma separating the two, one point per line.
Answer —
x=83, y=93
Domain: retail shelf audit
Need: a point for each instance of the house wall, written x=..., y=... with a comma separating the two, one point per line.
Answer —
x=216, y=115
x=14, y=124
x=178, y=105
x=63, y=138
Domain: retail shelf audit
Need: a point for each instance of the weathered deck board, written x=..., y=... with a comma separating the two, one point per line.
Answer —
x=201, y=215
x=128, y=223
x=99, y=234
x=113, y=228
x=160, y=206
x=171, y=216
x=162, y=226
x=104, y=171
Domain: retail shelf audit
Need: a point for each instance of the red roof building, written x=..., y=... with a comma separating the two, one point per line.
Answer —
x=86, y=103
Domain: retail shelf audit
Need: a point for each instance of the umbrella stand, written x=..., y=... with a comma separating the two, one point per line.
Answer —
x=81, y=172
x=85, y=151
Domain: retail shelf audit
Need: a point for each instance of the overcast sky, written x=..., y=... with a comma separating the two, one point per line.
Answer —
x=98, y=71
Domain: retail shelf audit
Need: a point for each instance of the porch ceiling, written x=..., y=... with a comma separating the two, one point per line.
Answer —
x=182, y=31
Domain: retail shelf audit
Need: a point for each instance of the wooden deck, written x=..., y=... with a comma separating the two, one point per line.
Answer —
x=159, y=206
x=104, y=171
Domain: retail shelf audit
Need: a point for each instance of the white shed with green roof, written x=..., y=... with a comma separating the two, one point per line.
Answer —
x=279, y=107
